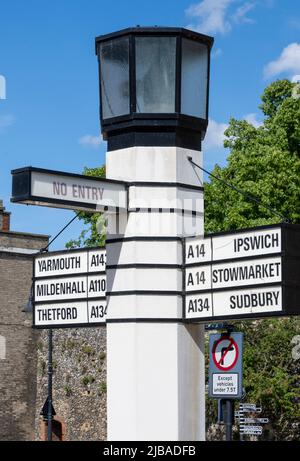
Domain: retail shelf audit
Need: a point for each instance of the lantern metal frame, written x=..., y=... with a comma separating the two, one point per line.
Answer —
x=164, y=129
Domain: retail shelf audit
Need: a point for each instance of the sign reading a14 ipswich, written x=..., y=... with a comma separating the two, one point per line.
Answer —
x=70, y=288
x=248, y=273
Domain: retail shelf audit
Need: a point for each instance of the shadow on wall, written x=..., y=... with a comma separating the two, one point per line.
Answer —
x=58, y=430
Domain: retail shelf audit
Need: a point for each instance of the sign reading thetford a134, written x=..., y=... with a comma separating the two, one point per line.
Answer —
x=36, y=186
x=70, y=288
x=249, y=273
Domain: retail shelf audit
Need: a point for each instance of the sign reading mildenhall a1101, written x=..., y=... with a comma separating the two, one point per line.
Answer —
x=70, y=288
x=249, y=273
x=36, y=186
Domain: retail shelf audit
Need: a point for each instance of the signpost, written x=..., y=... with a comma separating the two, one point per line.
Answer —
x=251, y=273
x=70, y=288
x=154, y=145
x=249, y=425
x=36, y=186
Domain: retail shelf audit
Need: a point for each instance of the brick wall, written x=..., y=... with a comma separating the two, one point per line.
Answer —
x=79, y=381
x=18, y=362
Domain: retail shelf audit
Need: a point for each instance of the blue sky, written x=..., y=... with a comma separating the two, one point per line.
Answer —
x=50, y=115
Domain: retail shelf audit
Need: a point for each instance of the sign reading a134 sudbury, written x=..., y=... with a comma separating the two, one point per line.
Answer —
x=248, y=273
x=70, y=288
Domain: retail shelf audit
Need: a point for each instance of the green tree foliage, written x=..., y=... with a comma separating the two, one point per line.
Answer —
x=93, y=233
x=264, y=161
x=271, y=373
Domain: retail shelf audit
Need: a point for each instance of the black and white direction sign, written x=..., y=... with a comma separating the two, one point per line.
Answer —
x=70, y=314
x=233, y=245
x=225, y=365
x=251, y=430
x=257, y=272
x=36, y=186
x=248, y=424
x=66, y=263
x=249, y=408
x=58, y=289
x=254, y=420
x=70, y=288
x=250, y=273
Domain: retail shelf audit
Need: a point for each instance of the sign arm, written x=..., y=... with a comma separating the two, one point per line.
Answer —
x=45, y=249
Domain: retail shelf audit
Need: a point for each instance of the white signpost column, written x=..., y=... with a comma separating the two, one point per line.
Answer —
x=155, y=374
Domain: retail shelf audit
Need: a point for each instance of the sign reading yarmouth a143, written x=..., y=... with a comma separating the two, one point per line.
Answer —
x=70, y=288
x=249, y=273
x=225, y=365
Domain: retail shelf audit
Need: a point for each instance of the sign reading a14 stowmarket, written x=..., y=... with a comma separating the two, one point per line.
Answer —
x=69, y=288
x=249, y=273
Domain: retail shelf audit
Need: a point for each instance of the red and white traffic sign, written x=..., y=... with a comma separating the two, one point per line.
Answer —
x=226, y=365
x=225, y=353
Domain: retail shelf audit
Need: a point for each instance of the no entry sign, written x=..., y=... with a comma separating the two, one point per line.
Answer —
x=225, y=365
x=37, y=186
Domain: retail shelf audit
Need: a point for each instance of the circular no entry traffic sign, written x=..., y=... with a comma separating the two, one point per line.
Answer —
x=225, y=353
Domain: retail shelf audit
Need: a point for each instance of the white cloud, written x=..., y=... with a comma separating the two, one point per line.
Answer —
x=2, y=87
x=294, y=23
x=295, y=78
x=6, y=121
x=214, y=138
x=288, y=61
x=216, y=54
x=240, y=16
x=210, y=16
x=251, y=118
x=215, y=135
x=91, y=141
x=217, y=16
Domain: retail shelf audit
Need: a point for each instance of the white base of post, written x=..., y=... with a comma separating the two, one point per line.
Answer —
x=155, y=381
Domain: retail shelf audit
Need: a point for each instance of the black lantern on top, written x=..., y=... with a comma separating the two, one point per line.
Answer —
x=154, y=86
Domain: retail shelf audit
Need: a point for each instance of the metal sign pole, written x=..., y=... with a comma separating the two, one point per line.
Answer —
x=229, y=419
x=226, y=374
x=50, y=375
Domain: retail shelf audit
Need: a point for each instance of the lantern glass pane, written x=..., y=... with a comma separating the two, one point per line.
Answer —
x=155, y=74
x=114, y=76
x=194, y=78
